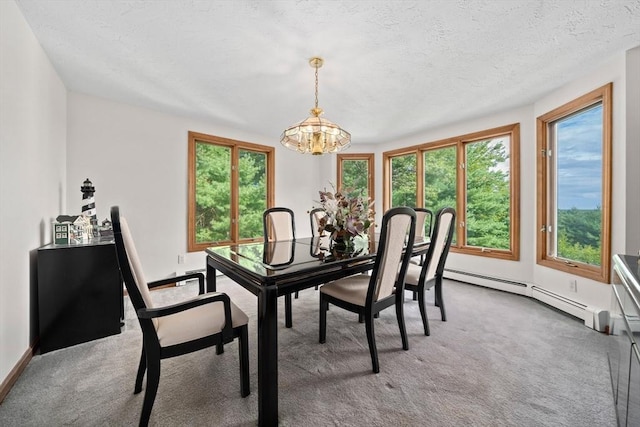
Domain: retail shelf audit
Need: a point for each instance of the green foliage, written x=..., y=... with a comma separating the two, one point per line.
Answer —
x=440, y=179
x=213, y=193
x=488, y=198
x=403, y=181
x=355, y=176
x=253, y=193
x=579, y=232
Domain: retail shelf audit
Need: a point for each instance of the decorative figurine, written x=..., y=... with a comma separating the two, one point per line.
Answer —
x=89, y=206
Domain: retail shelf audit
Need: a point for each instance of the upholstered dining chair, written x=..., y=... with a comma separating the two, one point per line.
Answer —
x=315, y=215
x=209, y=319
x=279, y=224
x=422, y=278
x=368, y=295
x=424, y=221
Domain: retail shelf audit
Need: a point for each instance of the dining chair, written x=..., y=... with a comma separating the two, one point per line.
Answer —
x=422, y=278
x=209, y=319
x=368, y=295
x=424, y=221
x=314, y=217
x=279, y=224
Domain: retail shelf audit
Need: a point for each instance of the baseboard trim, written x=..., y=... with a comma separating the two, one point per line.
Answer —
x=15, y=373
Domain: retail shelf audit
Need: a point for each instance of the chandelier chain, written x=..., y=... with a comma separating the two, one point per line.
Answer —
x=316, y=87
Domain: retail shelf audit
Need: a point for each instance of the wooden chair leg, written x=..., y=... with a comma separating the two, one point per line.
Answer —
x=153, y=379
x=324, y=307
x=423, y=313
x=415, y=295
x=438, y=293
x=142, y=367
x=220, y=348
x=371, y=339
x=401, y=325
x=288, y=318
x=296, y=295
x=243, y=354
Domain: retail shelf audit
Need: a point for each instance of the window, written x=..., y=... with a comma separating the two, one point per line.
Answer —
x=230, y=186
x=440, y=167
x=477, y=174
x=403, y=180
x=574, y=186
x=356, y=174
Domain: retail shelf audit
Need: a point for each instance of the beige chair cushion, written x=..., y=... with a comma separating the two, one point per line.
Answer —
x=421, y=217
x=281, y=226
x=134, y=262
x=390, y=264
x=413, y=274
x=196, y=323
x=352, y=289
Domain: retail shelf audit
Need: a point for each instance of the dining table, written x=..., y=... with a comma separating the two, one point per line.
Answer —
x=278, y=268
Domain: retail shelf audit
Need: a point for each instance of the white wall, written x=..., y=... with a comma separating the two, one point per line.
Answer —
x=137, y=159
x=32, y=173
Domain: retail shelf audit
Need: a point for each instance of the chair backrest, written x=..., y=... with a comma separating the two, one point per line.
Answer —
x=424, y=221
x=129, y=263
x=315, y=216
x=440, y=243
x=278, y=224
x=393, y=253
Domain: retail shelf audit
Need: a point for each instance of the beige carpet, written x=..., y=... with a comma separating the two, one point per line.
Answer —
x=499, y=360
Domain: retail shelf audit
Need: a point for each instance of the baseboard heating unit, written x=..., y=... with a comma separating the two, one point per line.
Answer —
x=593, y=318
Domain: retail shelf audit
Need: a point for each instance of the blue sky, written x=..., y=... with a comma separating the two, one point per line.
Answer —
x=579, y=155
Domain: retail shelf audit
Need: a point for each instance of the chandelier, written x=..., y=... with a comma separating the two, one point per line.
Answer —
x=315, y=135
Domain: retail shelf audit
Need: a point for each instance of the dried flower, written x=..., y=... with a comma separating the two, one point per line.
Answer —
x=345, y=213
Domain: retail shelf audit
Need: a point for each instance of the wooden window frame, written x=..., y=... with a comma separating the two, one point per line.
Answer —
x=370, y=158
x=235, y=146
x=603, y=272
x=460, y=142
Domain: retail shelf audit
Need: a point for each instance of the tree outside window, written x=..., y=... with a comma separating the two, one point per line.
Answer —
x=230, y=186
x=477, y=174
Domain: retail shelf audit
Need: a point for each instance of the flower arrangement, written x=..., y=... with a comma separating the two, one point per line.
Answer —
x=346, y=215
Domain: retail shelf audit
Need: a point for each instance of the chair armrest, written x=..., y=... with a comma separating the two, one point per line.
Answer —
x=176, y=279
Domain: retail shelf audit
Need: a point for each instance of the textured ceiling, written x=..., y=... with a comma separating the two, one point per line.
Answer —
x=392, y=68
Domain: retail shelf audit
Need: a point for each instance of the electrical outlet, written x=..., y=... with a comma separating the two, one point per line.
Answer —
x=573, y=285
x=180, y=259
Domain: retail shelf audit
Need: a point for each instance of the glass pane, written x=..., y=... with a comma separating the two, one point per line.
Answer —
x=403, y=181
x=440, y=179
x=578, y=147
x=488, y=220
x=355, y=177
x=213, y=193
x=252, y=198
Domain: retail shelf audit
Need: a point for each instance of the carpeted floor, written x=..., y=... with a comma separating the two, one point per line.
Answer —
x=499, y=360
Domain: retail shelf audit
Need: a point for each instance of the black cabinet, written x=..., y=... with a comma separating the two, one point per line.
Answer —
x=79, y=293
